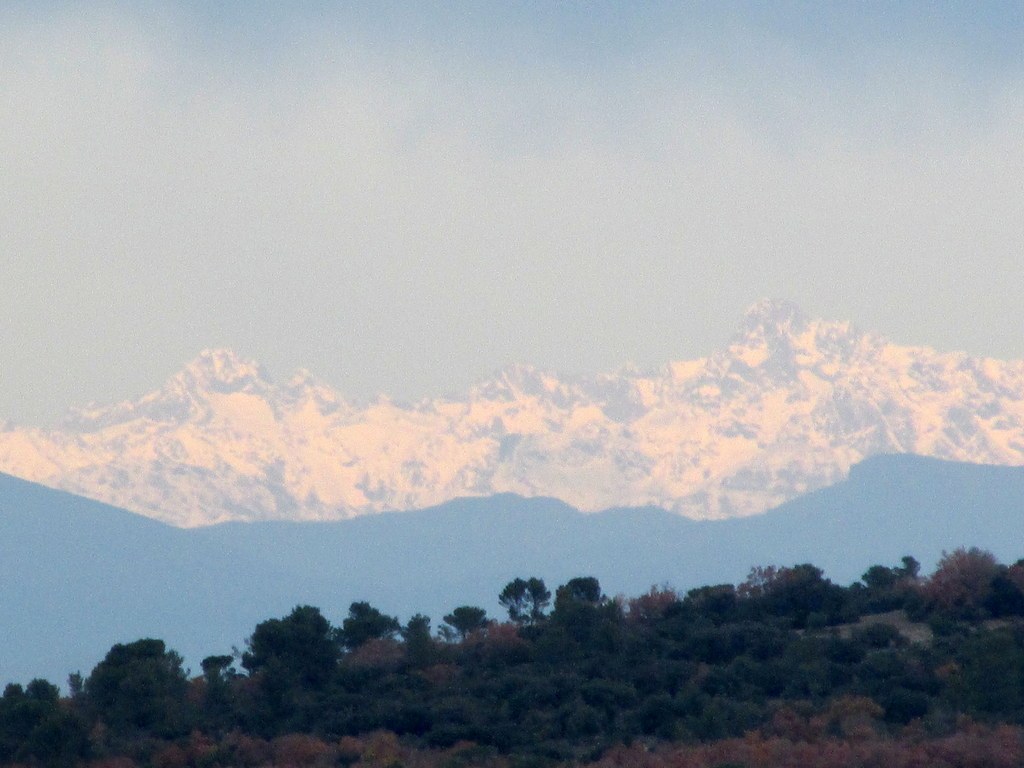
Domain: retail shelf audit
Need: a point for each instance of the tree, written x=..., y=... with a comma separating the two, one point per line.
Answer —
x=463, y=621
x=36, y=729
x=365, y=623
x=1005, y=597
x=525, y=600
x=582, y=589
x=142, y=686
x=217, y=667
x=652, y=607
x=797, y=592
x=911, y=567
x=584, y=615
x=962, y=582
x=419, y=645
x=300, y=647
x=879, y=577
x=716, y=602
x=218, y=674
x=882, y=588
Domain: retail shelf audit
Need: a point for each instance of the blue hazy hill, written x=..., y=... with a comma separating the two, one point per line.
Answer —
x=77, y=576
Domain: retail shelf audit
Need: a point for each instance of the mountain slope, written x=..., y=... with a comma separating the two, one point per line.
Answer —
x=788, y=406
x=77, y=576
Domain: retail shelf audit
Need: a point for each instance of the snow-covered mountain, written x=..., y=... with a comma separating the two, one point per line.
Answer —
x=787, y=407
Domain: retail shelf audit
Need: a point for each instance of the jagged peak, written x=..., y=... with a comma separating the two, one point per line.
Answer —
x=303, y=385
x=303, y=378
x=778, y=338
x=518, y=379
x=183, y=395
x=518, y=372
x=515, y=375
x=781, y=324
x=773, y=317
x=767, y=337
x=222, y=368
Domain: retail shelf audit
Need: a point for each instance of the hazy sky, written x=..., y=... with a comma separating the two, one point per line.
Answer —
x=404, y=197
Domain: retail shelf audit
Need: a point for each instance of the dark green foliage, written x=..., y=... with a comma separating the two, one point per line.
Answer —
x=716, y=603
x=878, y=577
x=879, y=635
x=583, y=589
x=992, y=674
x=902, y=705
x=801, y=593
x=140, y=686
x=291, y=661
x=463, y=621
x=218, y=674
x=419, y=645
x=365, y=623
x=525, y=600
x=299, y=647
x=217, y=667
x=1005, y=597
x=34, y=727
x=910, y=567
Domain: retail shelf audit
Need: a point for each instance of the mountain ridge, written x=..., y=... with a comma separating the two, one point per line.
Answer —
x=787, y=406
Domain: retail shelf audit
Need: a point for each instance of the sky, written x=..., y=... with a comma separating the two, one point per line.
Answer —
x=403, y=198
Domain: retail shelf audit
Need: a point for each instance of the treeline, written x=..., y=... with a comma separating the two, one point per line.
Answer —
x=897, y=668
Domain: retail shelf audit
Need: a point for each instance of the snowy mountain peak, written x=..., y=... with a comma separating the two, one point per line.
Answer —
x=222, y=370
x=788, y=406
x=779, y=340
x=304, y=388
x=517, y=381
x=774, y=317
x=302, y=379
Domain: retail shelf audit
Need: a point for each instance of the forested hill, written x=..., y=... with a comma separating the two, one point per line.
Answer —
x=113, y=576
x=785, y=668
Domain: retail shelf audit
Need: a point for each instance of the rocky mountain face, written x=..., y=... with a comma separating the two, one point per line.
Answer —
x=787, y=407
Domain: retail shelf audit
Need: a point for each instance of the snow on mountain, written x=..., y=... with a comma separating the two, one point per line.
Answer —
x=787, y=407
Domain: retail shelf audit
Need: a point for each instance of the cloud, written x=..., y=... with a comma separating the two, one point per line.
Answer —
x=405, y=220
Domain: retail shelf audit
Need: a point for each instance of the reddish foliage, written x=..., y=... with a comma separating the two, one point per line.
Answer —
x=439, y=674
x=195, y=694
x=498, y=641
x=378, y=653
x=170, y=756
x=246, y=750
x=971, y=747
x=789, y=724
x=854, y=717
x=962, y=580
x=382, y=749
x=350, y=749
x=200, y=748
x=298, y=750
x=758, y=582
x=652, y=606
